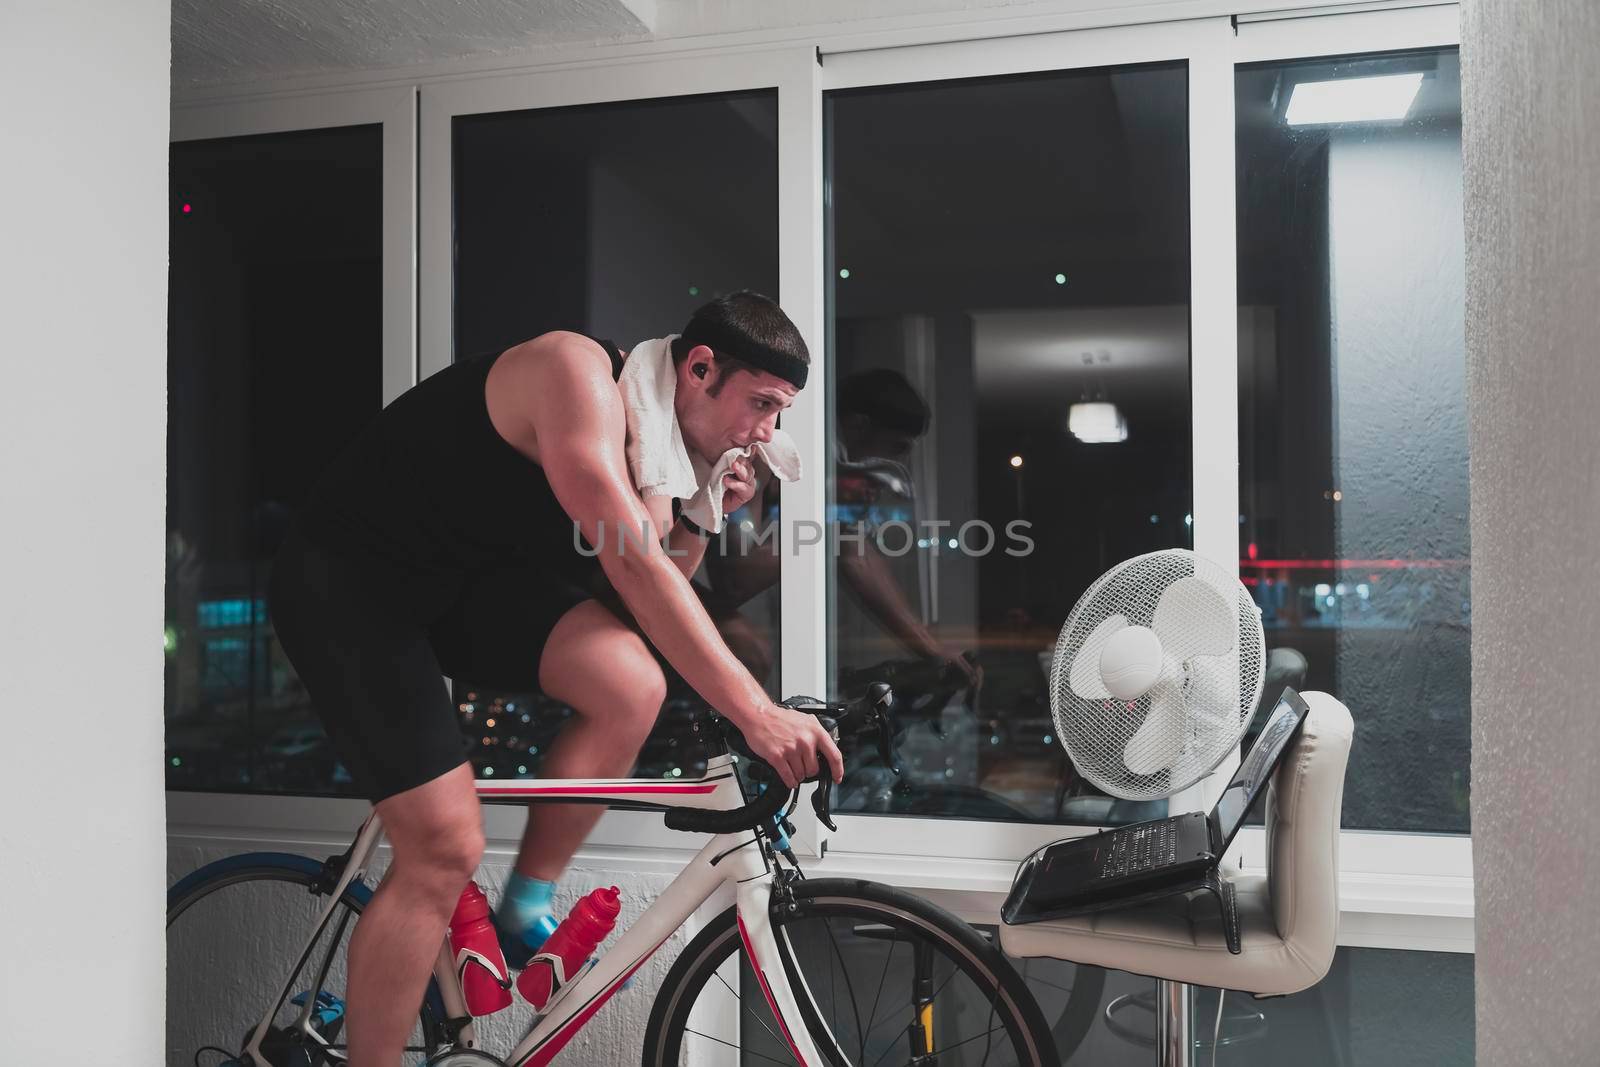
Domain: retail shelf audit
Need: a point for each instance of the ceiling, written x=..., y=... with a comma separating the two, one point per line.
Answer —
x=221, y=42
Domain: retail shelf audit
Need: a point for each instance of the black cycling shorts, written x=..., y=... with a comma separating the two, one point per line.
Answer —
x=375, y=671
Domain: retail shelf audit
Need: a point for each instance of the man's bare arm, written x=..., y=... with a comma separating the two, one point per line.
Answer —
x=688, y=549
x=581, y=427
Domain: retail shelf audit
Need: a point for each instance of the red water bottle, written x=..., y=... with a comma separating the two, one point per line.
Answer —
x=570, y=947
x=479, y=963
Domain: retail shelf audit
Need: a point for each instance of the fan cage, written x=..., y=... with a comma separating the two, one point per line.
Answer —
x=1220, y=691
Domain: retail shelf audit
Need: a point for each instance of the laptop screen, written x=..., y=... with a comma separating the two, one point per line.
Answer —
x=1257, y=767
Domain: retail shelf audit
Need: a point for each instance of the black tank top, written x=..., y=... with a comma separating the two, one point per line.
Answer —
x=430, y=492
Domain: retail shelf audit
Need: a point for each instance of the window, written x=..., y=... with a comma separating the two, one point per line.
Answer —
x=1009, y=259
x=620, y=220
x=1353, y=435
x=275, y=358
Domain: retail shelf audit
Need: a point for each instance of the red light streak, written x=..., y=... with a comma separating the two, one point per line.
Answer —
x=1353, y=564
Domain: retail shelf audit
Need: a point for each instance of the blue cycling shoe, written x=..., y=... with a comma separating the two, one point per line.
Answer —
x=519, y=948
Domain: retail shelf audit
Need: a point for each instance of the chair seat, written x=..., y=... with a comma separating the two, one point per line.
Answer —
x=1179, y=939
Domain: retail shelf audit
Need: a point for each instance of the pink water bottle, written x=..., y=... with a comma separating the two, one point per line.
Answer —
x=479, y=963
x=570, y=947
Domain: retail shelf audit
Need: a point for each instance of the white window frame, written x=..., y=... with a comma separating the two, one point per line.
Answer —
x=1398, y=890
x=396, y=111
x=1203, y=44
x=784, y=68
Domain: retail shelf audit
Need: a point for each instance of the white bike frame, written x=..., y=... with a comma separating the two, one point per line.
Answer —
x=738, y=859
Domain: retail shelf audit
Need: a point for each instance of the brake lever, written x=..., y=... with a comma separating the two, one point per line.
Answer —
x=822, y=802
x=882, y=699
x=822, y=798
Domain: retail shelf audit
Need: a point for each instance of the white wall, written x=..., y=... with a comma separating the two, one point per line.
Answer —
x=83, y=309
x=1531, y=149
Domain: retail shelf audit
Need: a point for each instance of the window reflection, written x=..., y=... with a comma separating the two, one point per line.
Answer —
x=1009, y=284
x=1353, y=434
x=274, y=363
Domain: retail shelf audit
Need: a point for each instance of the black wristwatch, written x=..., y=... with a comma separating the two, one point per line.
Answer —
x=693, y=527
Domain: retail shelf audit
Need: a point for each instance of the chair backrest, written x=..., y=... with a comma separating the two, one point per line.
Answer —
x=1303, y=804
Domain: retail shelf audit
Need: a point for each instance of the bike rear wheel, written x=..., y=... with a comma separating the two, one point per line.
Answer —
x=895, y=980
x=237, y=933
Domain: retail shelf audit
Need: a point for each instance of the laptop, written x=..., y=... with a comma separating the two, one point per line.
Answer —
x=1108, y=869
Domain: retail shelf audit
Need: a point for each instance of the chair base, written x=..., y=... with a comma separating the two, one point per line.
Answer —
x=1174, y=1024
x=1239, y=1026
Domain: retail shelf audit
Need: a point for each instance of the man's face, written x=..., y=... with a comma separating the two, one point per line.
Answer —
x=718, y=413
x=864, y=439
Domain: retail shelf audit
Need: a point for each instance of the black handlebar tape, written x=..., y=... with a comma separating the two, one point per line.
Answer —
x=758, y=812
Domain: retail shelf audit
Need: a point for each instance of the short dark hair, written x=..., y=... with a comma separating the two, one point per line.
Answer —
x=887, y=399
x=752, y=315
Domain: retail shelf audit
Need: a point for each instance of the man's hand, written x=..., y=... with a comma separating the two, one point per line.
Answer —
x=956, y=664
x=789, y=741
x=738, y=485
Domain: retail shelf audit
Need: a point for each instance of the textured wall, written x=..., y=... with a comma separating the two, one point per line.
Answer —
x=1531, y=150
x=83, y=303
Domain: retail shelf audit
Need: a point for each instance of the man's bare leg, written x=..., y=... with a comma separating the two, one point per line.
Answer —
x=436, y=833
x=605, y=672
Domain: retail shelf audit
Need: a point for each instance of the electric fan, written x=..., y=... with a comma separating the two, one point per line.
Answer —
x=1156, y=674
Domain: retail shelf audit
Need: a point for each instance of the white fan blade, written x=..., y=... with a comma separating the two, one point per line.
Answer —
x=1213, y=695
x=1212, y=718
x=1085, y=675
x=1193, y=619
x=1187, y=769
x=1156, y=744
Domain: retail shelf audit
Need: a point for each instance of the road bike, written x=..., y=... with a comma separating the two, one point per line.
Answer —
x=799, y=971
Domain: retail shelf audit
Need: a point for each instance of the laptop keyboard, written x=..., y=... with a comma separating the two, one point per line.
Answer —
x=1141, y=848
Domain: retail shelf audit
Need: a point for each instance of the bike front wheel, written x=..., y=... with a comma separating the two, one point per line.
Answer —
x=895, y=982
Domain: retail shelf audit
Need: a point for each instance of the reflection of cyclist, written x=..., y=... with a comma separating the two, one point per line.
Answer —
x=443, y=543
x=880, y=418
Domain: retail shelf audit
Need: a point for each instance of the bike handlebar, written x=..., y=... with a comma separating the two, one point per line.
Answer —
x=872, y=712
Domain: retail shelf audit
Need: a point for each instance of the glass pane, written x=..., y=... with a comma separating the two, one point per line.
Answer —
x=619, y=220
x=1353, y=417
x=1376, y=1008
x=274, y=362
x=1002, y=251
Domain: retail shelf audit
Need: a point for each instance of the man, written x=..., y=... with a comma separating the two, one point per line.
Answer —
x=442, y=543
x=880, y=418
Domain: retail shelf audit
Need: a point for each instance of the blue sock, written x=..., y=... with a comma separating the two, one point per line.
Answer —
x=526, y=901
x=524, y=918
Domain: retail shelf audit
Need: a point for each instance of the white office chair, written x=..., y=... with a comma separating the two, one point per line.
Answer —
x=1289, y=917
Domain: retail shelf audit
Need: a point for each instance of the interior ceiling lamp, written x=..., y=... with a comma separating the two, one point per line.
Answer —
x=1385, y=98
x=1097, y=422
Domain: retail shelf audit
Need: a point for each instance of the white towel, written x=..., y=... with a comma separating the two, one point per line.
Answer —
x=657, y=457
x=778, y=455
x=655, y=449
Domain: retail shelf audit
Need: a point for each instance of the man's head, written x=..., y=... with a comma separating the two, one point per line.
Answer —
x=880, y=414
x=740, y=362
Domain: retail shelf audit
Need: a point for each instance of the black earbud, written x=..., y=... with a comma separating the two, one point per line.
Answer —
x=699, y=370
